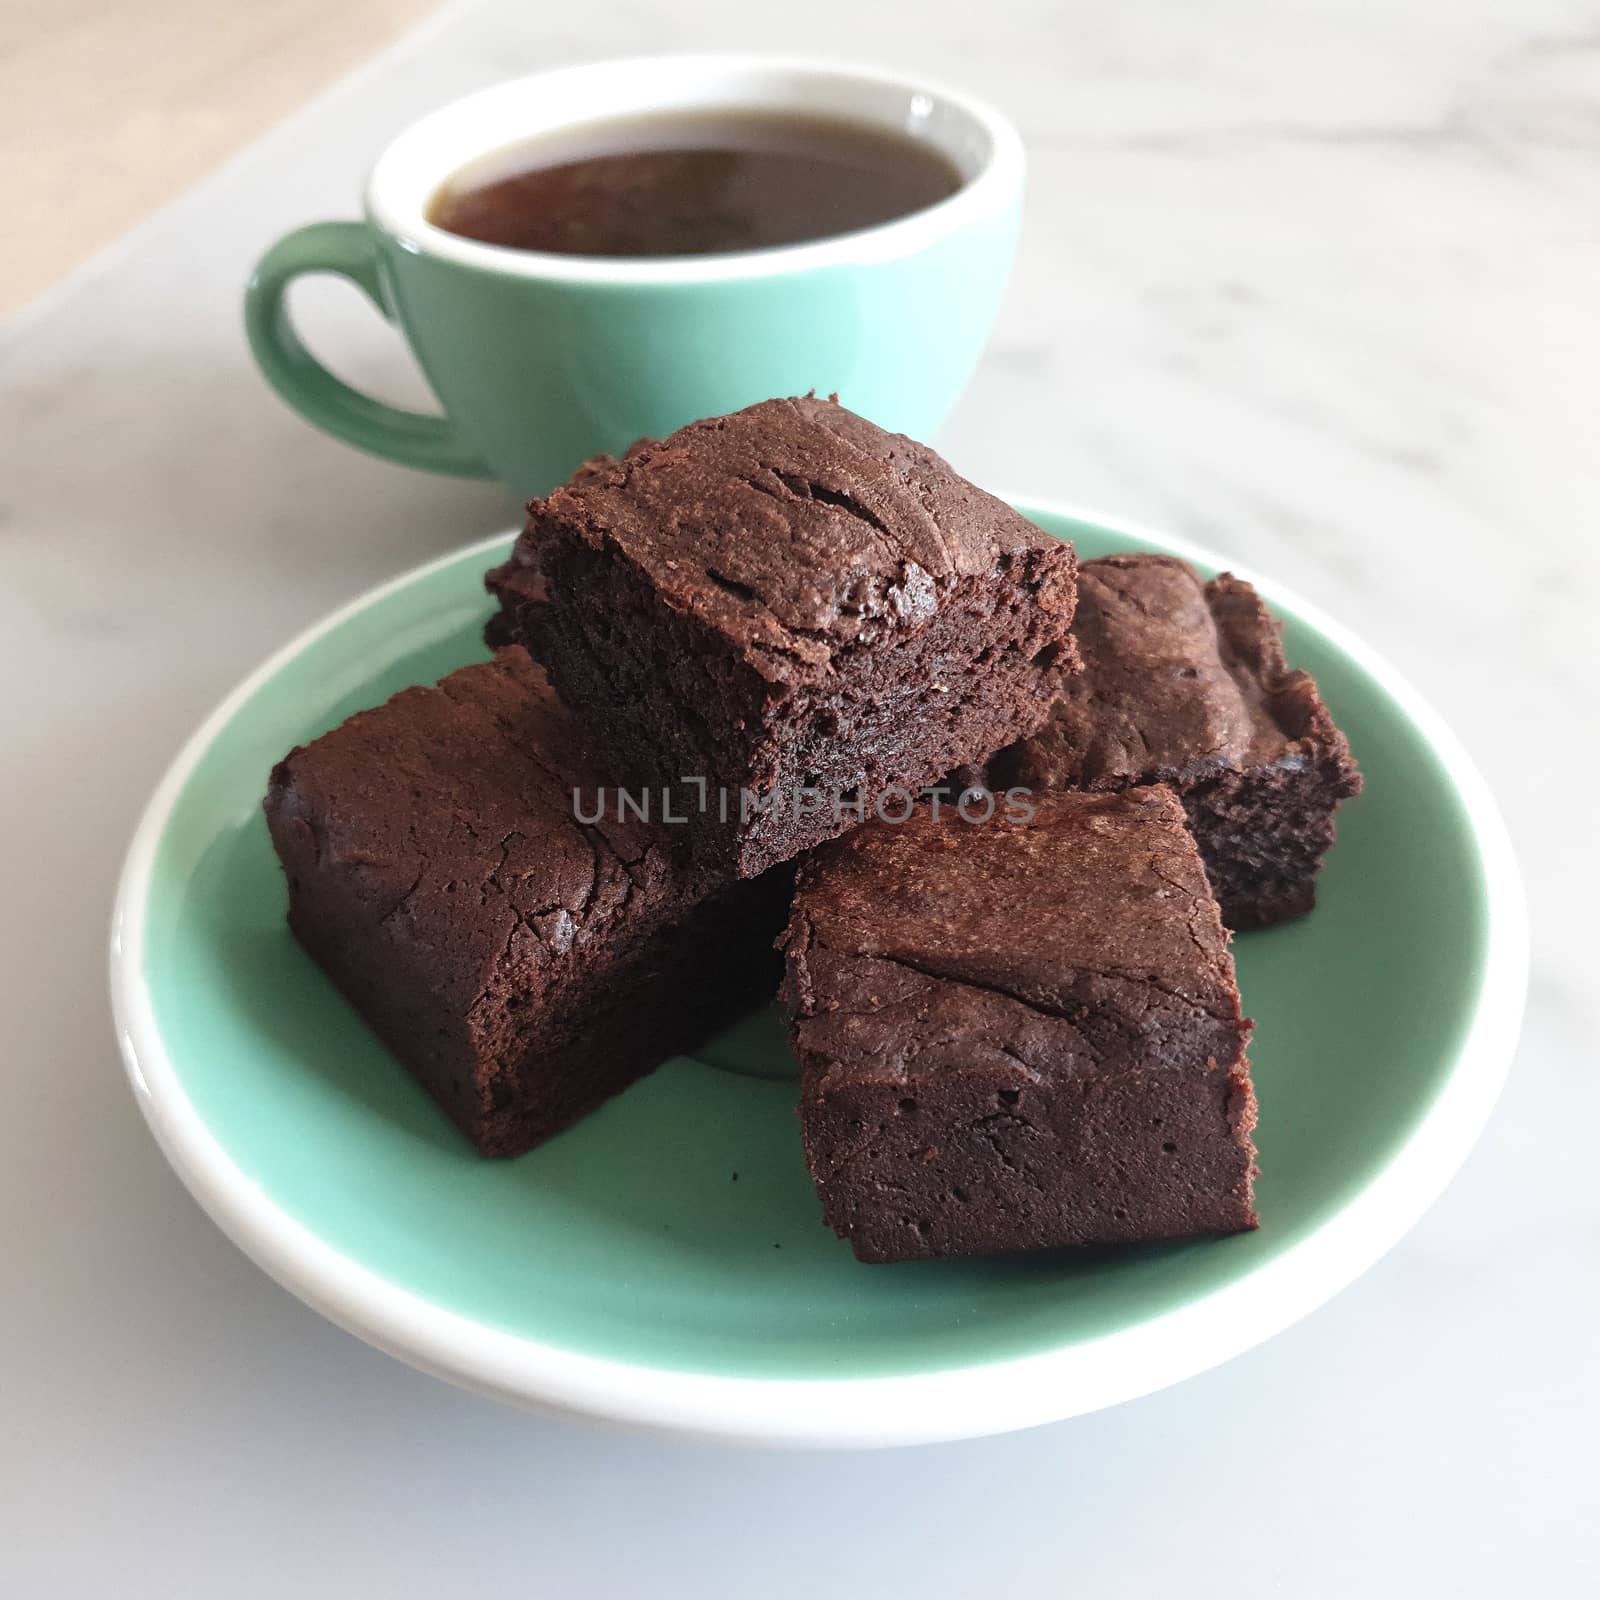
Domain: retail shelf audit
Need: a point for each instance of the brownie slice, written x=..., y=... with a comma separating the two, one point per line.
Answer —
x=1014, y=1035
x=805, y=612
x=522, y=965
x=1186, y=683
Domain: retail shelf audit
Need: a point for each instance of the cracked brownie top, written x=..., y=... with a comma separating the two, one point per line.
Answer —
x=451, y=809
x=797, y=529
x=1084, y=940
x=1180, y=680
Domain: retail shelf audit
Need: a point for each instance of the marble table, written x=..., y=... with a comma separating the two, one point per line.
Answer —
x=1314, y=284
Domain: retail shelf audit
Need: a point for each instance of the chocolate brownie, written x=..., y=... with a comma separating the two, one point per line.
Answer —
x=785, y=602
x=1014, y=1035
x=522, y=965
x=1185, y=682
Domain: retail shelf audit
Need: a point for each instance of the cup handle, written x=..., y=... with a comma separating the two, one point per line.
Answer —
x=350, y=250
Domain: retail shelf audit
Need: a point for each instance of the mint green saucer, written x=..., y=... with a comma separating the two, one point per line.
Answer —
x=664, y=1262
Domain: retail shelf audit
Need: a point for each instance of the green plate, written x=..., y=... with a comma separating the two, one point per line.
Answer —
x=664, y=1262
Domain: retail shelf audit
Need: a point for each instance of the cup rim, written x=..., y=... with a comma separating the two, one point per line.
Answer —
x=394, y=205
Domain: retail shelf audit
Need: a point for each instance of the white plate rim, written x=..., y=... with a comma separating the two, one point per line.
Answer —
x=951, y=1403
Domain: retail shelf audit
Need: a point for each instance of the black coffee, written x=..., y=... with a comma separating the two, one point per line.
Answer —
x=693, y=185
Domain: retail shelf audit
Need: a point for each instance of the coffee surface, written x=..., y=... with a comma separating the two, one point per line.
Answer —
x=689, y=186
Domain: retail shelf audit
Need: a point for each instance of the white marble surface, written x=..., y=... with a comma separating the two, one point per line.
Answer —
x=1318, y=284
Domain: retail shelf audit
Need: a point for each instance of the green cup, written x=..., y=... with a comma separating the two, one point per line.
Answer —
x=541, y=360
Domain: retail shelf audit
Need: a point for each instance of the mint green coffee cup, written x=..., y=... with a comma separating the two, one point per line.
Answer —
x=540, y=360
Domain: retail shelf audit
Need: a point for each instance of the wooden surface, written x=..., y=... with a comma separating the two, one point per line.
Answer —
x=110, y=108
